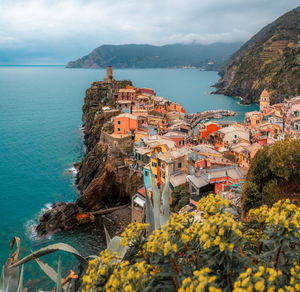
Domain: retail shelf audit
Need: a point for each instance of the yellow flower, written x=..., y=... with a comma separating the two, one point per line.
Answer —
x=259, y=286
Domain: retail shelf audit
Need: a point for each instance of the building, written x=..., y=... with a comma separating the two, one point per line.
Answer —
x=225, y=137
x=178, y=137
x=138, y=206
x=248, y=153
x=253, y=119
x=127, y=93
x=125, y=124
x=205, y=129
x=214, y=179
x=264, y=101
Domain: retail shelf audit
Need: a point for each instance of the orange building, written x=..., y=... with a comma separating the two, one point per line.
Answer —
x=205, y=129
x=125, y=124
x=175, y=107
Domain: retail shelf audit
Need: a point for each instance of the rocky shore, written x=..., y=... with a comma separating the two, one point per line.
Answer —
x=103, y=180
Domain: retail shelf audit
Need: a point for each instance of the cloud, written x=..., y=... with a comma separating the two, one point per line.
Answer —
x=67, y=29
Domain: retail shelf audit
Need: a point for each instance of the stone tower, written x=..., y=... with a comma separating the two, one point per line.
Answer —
x=264, y=100
x=109, y=75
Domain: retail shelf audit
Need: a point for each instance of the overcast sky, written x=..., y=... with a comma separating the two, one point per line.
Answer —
x=56, y=31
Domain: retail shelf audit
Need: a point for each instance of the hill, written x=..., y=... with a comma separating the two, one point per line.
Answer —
x=209, y=57
x=270, y=59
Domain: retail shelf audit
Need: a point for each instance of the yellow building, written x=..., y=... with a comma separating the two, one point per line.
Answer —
x=264, y=100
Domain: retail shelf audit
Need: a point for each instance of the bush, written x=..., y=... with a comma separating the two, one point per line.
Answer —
x=274, y=171
x=180, y=197
x=218, y=253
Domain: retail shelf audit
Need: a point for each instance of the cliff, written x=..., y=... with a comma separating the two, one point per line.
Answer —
x=103, y=179
x=270, y=60
x=208, y=57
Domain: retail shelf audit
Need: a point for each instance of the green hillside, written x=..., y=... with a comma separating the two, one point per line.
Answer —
x=209, y=57
x=270, y=59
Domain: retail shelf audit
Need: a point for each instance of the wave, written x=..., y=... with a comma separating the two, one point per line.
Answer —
x=72, y=170
x=31, y=224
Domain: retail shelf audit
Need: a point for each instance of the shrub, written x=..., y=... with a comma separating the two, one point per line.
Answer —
x=218, y=253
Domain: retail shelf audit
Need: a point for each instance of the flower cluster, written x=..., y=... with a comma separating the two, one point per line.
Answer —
x=220, y=231
x=259, y=215
x=258, y=280
x=99, y=270
x=294, y=284
x=200, y=281
x=284, y=216
x=212, y=205
x=216, y=253
x=132, y=233
x=163, y=241
x=126, y=277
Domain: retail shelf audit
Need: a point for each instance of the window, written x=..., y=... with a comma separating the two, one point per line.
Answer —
x=156, y=176
x=119, y=129
x=146, y=173
x=153, y=164
x=179, y=164
x=159, y=163
x=119, y=122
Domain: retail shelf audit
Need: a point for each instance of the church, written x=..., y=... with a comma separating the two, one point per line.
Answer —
x=264, y=101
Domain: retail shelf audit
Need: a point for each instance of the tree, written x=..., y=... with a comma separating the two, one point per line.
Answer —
x=274, y=172
x=180, y=197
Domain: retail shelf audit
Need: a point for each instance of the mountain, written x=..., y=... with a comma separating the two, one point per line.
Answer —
x=147, y=56
x=269, y=60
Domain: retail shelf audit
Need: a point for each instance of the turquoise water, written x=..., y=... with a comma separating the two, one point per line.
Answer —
x=40, y=117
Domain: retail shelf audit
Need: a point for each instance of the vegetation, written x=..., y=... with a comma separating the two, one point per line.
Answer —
x=268, y=60
x=273, y=174
x=147, y=56
x=180, y=197
x=218, y=253
x=109, y=128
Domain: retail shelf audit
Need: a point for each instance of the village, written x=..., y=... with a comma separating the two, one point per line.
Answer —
x=159, y=141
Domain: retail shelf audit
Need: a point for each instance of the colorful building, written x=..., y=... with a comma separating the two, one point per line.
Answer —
x=125, y=124
x=205, y=129
x=127, y=94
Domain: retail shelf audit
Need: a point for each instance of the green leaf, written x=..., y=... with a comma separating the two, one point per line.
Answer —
x=58, y=279
x=115, y=246
x=166, y=205
x=107, y=236
x=51, y=249
x=50, y=272
x=149, y=212
x=156, y=202
x=21, y=279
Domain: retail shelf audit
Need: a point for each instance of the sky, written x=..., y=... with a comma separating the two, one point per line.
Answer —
x=57, y=31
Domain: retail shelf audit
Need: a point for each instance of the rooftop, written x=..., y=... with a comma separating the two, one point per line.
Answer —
x=126, y=115
x=230, y=171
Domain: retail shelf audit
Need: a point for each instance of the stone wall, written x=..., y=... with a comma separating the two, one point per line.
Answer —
x=138, y=214
x=124, y=144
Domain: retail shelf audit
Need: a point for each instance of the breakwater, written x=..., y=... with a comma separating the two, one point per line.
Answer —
x=195, y=118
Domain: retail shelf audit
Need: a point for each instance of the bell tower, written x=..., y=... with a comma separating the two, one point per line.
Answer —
x=264, y=100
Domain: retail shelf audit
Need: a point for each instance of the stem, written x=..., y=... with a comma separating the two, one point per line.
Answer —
x=174, y=284
x=229, y=274
x=175, y=266
x=241, y=252
x=278, y=254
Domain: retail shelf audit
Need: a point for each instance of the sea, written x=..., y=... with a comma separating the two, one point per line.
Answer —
x=41, y=138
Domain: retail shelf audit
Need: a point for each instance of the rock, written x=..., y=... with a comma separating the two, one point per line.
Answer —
x=100, y=180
